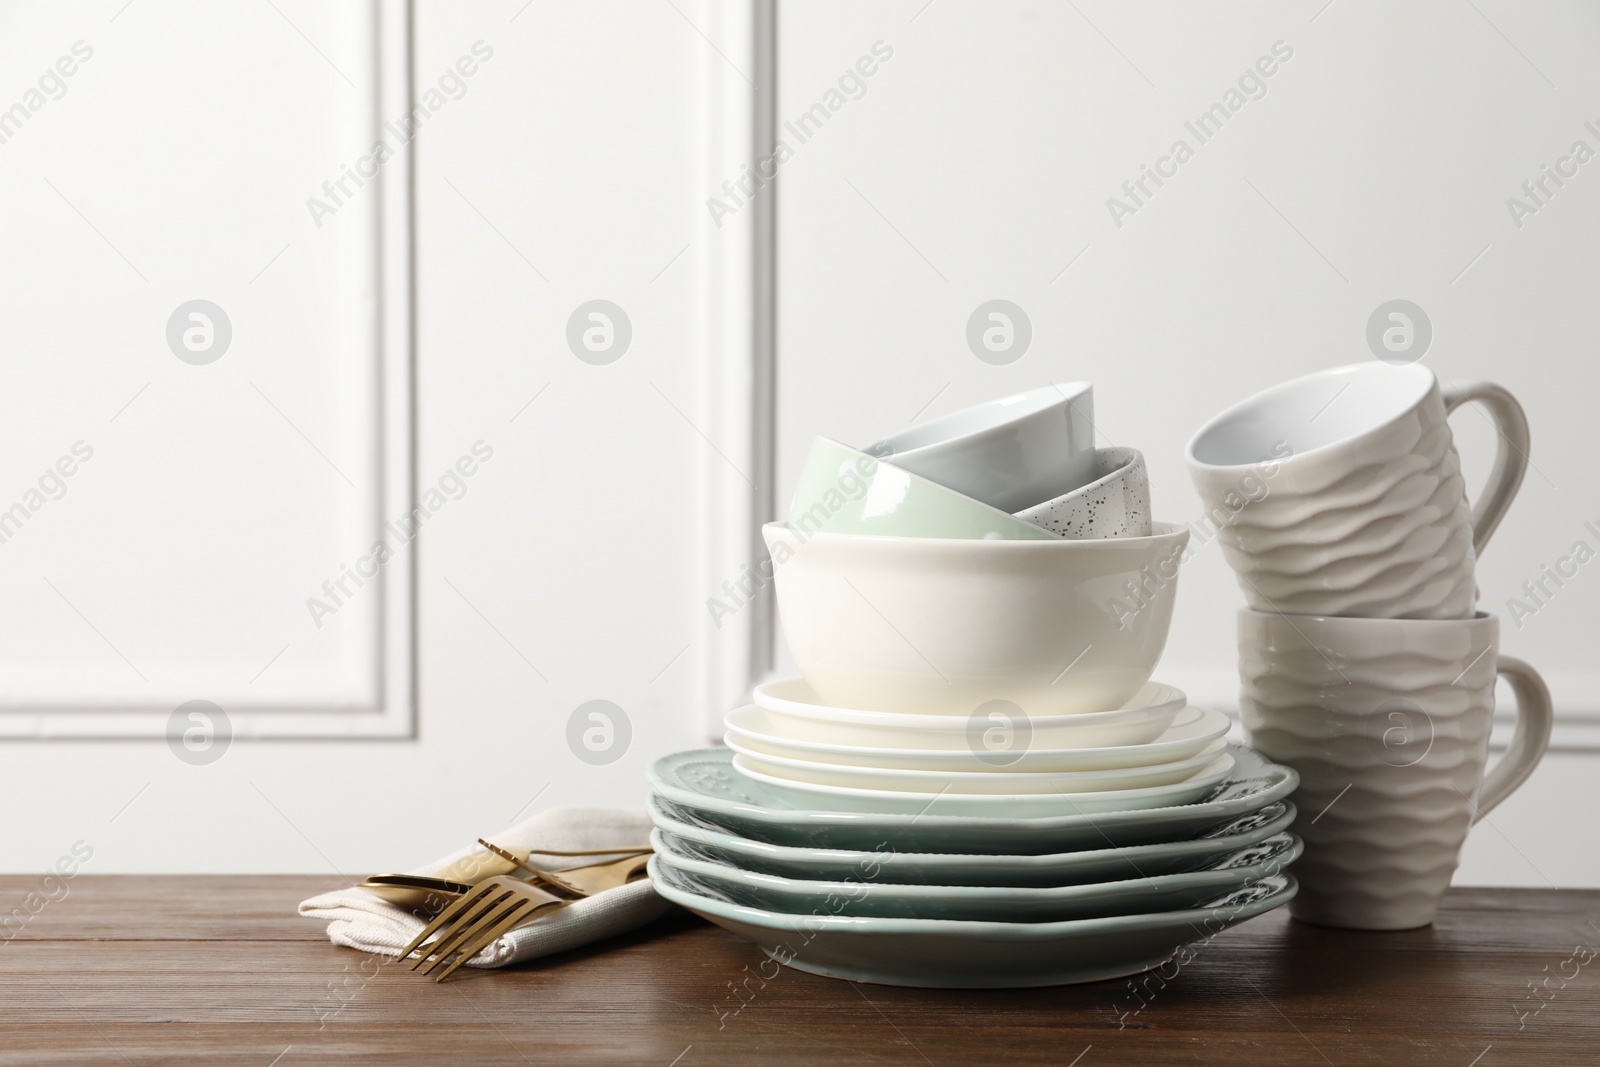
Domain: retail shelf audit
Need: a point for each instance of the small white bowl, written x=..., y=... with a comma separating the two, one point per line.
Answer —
x=755, y=730
x=1009, y=453
x=1115, y=504
x=795, y=712
x=984, y=782
x=806, y=796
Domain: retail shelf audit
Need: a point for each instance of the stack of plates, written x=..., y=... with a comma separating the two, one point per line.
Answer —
x=841, y=849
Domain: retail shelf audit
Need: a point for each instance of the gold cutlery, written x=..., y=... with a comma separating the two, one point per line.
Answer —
x=483, y=914
x=583, y=881
x=480, y=865
x=579, y=852
x=430, y=894
x=418, y=894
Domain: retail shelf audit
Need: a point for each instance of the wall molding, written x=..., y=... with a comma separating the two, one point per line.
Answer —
x=388, y=329
x=738, y=405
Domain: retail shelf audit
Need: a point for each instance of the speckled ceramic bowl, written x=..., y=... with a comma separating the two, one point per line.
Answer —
x=1115, y=504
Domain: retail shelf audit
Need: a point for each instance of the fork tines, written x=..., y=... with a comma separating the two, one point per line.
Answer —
x=489, y=910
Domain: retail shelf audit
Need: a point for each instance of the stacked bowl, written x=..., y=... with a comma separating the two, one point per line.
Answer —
x=975, y=782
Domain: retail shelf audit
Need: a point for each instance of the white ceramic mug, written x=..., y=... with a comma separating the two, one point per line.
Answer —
x=1340, y=493
x=1387, y=722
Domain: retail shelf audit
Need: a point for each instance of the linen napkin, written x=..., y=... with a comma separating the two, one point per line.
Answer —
x=359, y=920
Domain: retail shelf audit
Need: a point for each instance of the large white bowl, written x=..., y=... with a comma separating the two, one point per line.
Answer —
x=988, y=781
x=1009, y=453
x=945, y=626
x=995, y=805
x=753, y=729
x=794, y=712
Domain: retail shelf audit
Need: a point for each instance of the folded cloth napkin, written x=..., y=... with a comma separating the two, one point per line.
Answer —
x=357, y=919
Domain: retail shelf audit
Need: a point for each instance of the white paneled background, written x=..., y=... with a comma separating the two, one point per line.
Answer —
x=975, y=165
x=200, y=497
x=566, y=170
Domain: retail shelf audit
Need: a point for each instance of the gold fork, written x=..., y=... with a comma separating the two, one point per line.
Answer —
x=493, y=907
x=499, y=904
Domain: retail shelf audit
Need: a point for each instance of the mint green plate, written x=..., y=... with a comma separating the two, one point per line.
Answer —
x=864, y=895
x=934, y=868
x=706, y=783
x=964, y=954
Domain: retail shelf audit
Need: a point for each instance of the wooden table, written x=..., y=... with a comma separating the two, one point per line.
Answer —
x=219, y=970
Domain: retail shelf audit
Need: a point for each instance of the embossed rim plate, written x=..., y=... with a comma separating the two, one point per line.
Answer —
x=704, y=781
x=940, y=868
x=864, y=895
x=962, y=954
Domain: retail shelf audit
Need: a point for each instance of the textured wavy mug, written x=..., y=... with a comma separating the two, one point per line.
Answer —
x=1340, y=492
x=1387, y=721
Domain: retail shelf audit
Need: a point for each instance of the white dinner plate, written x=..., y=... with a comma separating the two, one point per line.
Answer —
x=752, y=729
x=795, y=711
x=1001, y=805
x=993, y=780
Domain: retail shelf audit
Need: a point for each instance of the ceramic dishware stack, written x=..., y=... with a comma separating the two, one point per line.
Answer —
x=975, y=780
x=1339, y=502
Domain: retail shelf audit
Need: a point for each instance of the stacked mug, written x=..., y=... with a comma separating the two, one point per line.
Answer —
x=975, y=782
x=1339, y=503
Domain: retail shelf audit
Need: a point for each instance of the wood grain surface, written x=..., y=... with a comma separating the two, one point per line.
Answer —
x=220, y=970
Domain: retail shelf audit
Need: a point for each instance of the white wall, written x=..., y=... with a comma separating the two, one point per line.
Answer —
x=978, y=165
x=578, y=142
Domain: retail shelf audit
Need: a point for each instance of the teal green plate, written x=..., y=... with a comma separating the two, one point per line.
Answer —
x=963, y=954
x=934, y=868
x=705, y=783
x=863, y=895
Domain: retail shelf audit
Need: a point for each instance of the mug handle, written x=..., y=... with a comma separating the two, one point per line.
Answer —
x=1510, y=456
x=1534, y=719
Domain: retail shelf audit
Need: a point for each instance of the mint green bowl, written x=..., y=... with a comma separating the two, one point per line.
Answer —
x=845, y=491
